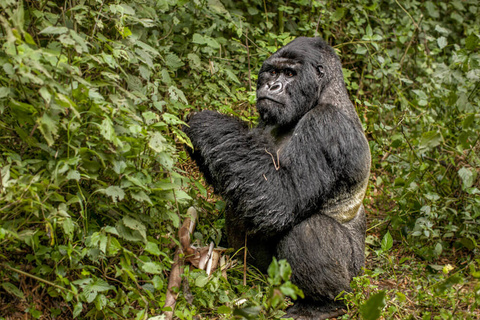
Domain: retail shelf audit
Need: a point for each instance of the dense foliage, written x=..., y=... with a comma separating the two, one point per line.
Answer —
x=94, y=180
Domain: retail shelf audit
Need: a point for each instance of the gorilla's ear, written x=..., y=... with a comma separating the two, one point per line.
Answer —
x=321, y=70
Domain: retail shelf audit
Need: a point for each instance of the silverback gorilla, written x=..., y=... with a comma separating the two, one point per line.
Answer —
x=295, y=183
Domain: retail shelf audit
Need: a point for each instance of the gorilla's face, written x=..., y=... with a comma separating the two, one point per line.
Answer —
x=290, y=82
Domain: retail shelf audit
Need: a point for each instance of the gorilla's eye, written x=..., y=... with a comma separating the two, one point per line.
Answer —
x=273, y=72
x=289, y=73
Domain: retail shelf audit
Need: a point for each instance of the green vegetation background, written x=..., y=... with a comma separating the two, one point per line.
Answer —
x=94, y=181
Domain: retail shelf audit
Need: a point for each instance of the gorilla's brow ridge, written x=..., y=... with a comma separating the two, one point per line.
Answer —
x=281, y=63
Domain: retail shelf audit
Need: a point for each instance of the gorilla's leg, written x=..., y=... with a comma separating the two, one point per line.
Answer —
x=325, y=255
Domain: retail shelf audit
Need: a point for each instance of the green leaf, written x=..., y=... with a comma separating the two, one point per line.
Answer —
x=217, y=6
x=368, y=31
x=29, y=38
x=467, y=176
x=73, y=175
x=173, y=217
x=177, y=94
x=361, y=50
x=4, y=92
x=77, y=310
x=152, y=248
x=198, y=38
x=134, y=224
x=285, y=269
x=68, y=227
x=157, y=142
x=372, y=308
x=45, y=94
x=13, y=290
x=274, y=277
x=338, y=14
x=116, y=193
x=194, y=61
x=157, y=283
x=249, y=313
x=8, y=68
x=468, y=121
x=119, y=166
x=100, y=285
x=472, y=41
x=287, y=290
x=49, y=127
x=101, y=301
x=54, y=30
x=387, y=242
x=442, y=30
x=127, y=9
x=224, y=310
x=152, y=267
x=141, y=196
x=212, y=43
x=437, y=251
x=432, y=9
x=201, y=281
x=468, y=243
x=113, y=246
x=442, y=42
x=431, y=139
x=172, y=119
x=232, y=76
x=80, y=44
x=108, y=131
x=173, y=61
x=448, y=283
x=144, y=72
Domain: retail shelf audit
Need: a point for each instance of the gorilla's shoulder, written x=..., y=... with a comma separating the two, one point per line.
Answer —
x=326, y=111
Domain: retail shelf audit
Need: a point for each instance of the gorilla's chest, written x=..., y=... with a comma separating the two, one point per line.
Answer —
x=280, y=136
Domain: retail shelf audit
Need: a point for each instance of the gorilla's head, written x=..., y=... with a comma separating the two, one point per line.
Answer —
x=291, y=81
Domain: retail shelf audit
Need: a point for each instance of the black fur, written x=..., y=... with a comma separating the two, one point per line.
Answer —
x=294, y=183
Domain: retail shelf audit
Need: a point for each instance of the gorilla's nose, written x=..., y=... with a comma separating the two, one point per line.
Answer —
x=275, y=87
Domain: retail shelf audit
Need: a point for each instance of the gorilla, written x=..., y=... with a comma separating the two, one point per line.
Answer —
x=295, y=183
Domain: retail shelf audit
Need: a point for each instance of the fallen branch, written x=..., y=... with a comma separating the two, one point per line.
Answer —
x=205, y=258
x=174, y=281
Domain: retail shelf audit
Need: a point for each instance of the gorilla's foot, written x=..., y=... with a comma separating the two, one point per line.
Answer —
x=303, y=310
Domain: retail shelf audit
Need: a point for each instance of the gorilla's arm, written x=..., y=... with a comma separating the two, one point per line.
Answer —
x=326, y=146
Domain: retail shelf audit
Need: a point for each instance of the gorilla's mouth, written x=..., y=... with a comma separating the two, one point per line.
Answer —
x=263, y=98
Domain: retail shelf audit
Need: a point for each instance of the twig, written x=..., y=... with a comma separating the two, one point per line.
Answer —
x=265, y=8
x=417, y=26
x=473, y=91
x=175, y=198
x=38, y=279
x=474, y=145
x=168, y=33
x=245, y=262
x=318, y=24
x=98, y=17
x=277, y=163
x=248, y=57
x=33, y=130
x=409, y=144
